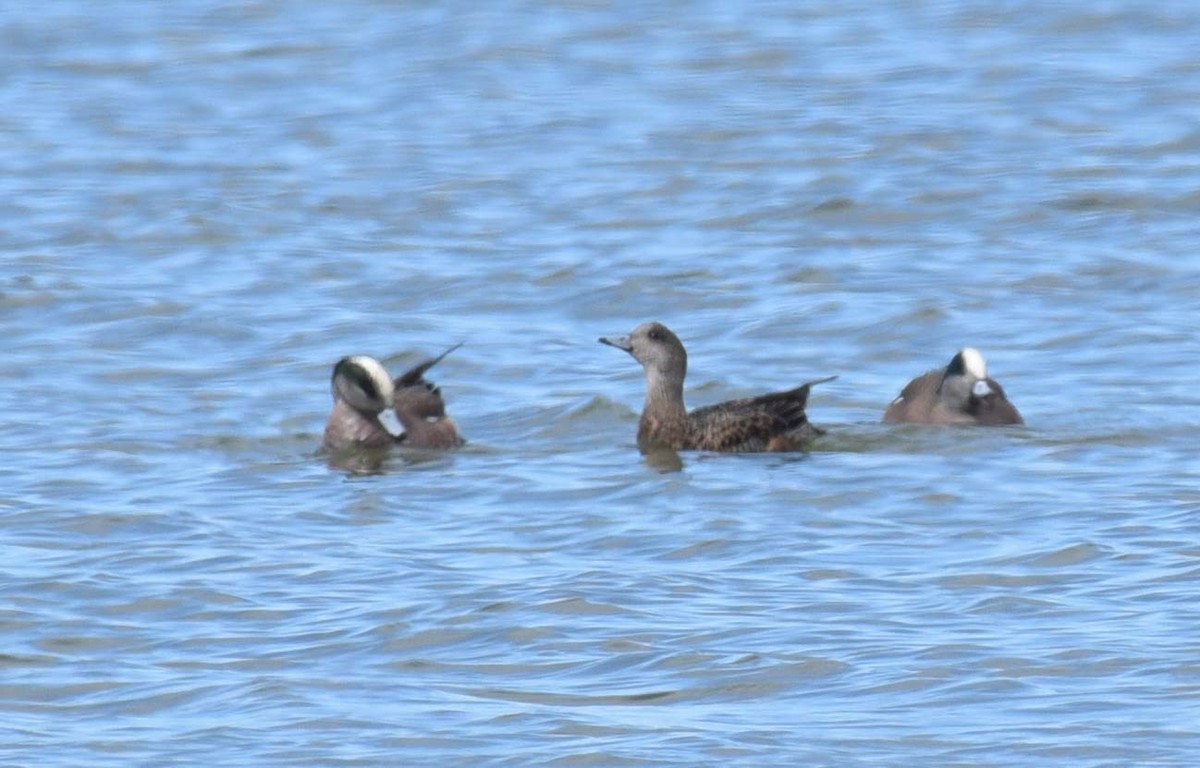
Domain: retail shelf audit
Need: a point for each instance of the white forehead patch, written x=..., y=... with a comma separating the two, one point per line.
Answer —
x=379, y=375
x=974, y=363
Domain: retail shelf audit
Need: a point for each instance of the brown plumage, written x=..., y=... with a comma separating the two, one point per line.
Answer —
x=361, y=390
x=773, y=422
x=960, y=393
x=422, y=411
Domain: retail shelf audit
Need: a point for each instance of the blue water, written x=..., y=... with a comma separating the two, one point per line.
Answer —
x=203, y=205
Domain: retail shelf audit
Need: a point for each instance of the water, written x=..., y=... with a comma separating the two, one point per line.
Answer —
x=206, y=204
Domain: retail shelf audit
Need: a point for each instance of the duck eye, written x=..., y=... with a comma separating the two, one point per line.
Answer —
x=655, y=335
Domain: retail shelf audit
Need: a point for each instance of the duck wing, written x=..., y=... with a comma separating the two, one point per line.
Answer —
x=772, y=422
x=916, y=400
x=416, y=374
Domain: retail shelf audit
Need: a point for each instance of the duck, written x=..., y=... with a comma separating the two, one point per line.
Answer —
x=960, y=393
x=422, y=411
x=362, y=389
x=771, y=422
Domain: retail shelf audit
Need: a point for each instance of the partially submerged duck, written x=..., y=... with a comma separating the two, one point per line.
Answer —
x=772, y=422
x=362, y=389
x=422, y=411
x=960, y=393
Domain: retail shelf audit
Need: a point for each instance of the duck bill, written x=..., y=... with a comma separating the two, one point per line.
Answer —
x=620, y=342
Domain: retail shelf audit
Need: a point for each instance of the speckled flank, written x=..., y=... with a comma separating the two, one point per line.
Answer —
x=772, y=422
x=960, y=393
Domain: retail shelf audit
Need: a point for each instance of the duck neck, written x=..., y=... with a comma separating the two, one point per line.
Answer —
x=664, y=397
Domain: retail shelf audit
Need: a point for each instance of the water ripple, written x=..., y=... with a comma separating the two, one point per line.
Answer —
x=206, y=206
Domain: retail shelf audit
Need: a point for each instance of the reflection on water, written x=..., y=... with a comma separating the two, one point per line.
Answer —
x=359, y=461
x=662, y=459
x=206, y=206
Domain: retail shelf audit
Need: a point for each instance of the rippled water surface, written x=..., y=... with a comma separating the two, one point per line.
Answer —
x=203, y=205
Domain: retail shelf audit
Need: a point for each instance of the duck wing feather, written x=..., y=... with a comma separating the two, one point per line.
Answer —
x=771, y=422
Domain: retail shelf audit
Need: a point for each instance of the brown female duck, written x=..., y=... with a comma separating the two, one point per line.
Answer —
x=772, y=422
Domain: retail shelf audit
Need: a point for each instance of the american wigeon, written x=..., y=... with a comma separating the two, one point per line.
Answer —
x=772, y=422
x=960, y=393
x=422, y=411
x=362, y=390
